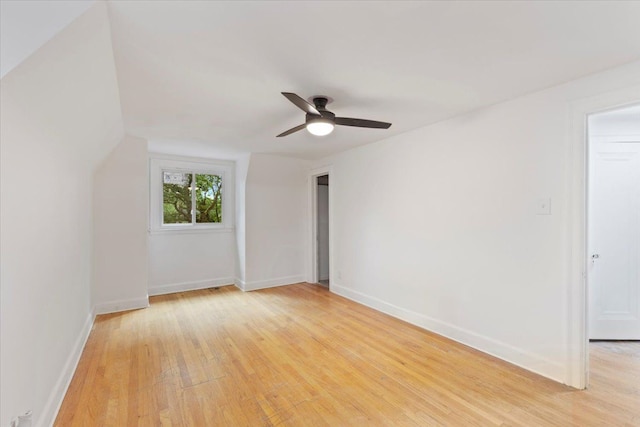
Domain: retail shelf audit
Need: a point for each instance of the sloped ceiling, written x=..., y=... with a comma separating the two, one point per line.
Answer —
x=207, y=75
x=27, y=25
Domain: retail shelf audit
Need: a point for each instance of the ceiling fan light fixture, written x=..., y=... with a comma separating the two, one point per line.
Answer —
x=320, y=126
x=320, y=121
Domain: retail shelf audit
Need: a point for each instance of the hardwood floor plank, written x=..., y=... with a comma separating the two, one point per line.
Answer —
x=301, y=356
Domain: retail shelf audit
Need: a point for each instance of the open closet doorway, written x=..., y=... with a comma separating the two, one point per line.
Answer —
x=613, y=242
x=322, y=229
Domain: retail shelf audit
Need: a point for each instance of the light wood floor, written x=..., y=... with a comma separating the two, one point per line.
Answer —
x=301, y=356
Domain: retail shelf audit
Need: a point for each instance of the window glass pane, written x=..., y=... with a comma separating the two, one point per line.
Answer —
x=208, y=198
x=176, y=197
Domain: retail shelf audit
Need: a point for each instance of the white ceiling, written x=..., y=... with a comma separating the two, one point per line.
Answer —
x=27, y=25
x=205, y=75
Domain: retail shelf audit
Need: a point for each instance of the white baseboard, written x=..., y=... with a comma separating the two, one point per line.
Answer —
x=51, y=408
x=269, y=283
x=240, y=284
x=516, y=356
x=121, y=305
x=189, y=286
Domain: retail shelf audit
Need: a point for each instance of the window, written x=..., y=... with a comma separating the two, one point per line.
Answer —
x=179, y=195
x=190, y=195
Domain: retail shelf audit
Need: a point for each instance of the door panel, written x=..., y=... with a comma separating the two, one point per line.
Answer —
x=614, y=241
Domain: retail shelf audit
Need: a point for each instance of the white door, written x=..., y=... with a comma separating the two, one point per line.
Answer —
x=614, y=241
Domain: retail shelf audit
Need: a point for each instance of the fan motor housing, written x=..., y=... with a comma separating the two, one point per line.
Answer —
x=323, y=113
x=320, y=103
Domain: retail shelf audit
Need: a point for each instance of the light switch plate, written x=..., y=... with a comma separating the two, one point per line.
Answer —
x=543, y=206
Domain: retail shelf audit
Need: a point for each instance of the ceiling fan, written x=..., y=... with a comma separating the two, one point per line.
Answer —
x=320, y=121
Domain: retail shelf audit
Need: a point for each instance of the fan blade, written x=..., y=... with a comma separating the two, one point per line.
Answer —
x=292, y=130
x=301, y=103
x=362, y=123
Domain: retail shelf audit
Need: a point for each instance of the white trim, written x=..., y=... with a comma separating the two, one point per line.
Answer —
x=239, y=283
x=312, y=272
x=576, y=334
x=51, y=408
x=631, y=138
x=269, y=283
x=516, y=356
x=187, y=159
x=189, y=286
x=191, y=230
x=121, y=305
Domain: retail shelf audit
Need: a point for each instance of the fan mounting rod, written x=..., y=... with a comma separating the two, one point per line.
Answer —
x=320, y=101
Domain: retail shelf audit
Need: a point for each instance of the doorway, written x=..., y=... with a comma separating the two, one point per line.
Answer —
x=320, y=263
x=613, y=228
x=613, y=245
x=322, y=229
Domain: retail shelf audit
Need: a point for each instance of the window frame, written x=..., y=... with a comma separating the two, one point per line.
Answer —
x=158, y=164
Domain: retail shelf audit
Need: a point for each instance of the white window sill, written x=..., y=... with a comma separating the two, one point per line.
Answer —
x=190, y=230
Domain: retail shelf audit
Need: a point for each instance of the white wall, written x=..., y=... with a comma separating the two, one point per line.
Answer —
x=439, y=226
x=60, y=116
x=191, y=259
x=185, y=261
x=276, y=221
x=120, y=217
x=267, y=246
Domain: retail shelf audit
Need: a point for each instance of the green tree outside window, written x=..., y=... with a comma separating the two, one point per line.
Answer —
x=179, y=195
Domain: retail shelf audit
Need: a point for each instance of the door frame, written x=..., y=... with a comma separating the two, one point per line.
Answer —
x=577, y=336
x=312, y=270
